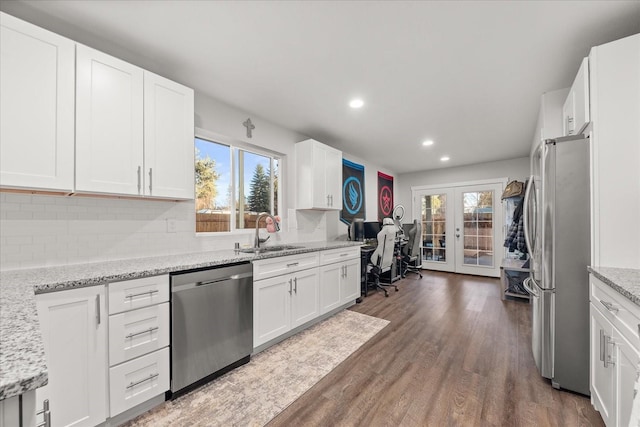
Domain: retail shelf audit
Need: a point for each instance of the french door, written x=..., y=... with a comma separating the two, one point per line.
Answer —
x=462, y=227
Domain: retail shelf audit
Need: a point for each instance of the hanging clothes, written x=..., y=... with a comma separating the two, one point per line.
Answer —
x=515, y=235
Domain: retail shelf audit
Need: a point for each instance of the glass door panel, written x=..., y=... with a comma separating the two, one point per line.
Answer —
x=431, y=207
x=477, y=227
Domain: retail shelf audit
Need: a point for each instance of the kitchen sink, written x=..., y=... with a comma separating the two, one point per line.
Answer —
x=274, y=248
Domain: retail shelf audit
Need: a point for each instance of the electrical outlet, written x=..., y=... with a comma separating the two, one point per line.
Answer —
x=171, y=225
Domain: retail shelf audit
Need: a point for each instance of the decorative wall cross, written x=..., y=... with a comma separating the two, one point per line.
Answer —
x=249, y=127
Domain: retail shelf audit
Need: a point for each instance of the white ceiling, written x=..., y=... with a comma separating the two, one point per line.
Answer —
x=468, y=75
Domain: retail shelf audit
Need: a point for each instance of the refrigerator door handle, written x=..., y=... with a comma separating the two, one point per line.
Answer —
x=526, y=283
x=525, y=212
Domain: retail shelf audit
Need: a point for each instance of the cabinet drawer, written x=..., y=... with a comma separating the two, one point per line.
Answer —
x=137, y=332
x=138, y=380
x=622, y=313
x=337, y=255
x=138, y=293
x=266, y=268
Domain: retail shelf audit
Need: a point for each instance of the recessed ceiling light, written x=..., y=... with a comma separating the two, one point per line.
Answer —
x=356, y=103
x=444, y=158
x=427, y=143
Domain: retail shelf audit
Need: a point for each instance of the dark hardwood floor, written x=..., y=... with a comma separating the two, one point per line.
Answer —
x=453, y=354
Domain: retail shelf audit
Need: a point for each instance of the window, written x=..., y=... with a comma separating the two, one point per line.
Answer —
x=233, y=186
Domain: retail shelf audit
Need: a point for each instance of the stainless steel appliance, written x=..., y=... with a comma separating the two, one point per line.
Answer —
x=557, y=232
x=211, y=323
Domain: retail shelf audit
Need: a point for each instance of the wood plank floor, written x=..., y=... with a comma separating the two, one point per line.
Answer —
x=453, y=354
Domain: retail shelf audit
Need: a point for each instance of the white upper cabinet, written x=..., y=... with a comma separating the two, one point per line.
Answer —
x=575, y=112
x=37, y=107
x=134, y=130
x=319, y=176
x=109, y=124
x=168, y=138
x=615, y=153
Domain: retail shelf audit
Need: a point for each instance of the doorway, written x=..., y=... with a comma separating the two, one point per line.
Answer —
x=462, y=226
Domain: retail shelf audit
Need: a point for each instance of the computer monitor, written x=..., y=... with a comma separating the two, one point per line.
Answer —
x=371, y=230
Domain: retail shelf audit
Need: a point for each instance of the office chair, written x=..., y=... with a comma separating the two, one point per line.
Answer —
x=412, y=259
x=382, y=258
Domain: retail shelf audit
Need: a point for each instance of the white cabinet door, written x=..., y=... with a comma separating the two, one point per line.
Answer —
x=333, y=177
x=350, y=283
x=627, y=360
x=319, y=176
x=271, y=308
x=330, y=277
x=575, y=112
x=36, y=107
x=602, y=374
x=305, y=305
x=168, y=138
x=109, y=124
x=73, y=325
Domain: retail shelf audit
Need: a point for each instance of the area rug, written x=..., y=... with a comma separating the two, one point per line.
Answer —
x=253, y=394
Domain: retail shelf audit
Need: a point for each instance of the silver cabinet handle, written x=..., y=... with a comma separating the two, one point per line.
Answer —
x=328, y=200
x=607, y=356
x=146, y=331
x=293, y=264
x=344, y=254
x=290, y=285
x=155, y=291
x=610, y=306
x=150, y=179
x=139, y=179
x=98, y=309
x=295, y=285
x=150, y=377
x=45, y=413
x=602, y=345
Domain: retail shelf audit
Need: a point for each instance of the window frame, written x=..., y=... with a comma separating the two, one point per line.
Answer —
x=234, y=146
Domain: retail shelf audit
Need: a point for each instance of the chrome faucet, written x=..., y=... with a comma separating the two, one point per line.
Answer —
x=258, y=240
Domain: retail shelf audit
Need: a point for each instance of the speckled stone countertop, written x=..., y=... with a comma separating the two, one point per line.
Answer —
x=22, y=359
x=624, y=280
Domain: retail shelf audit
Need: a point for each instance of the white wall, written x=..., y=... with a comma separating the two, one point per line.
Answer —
x=512, y=169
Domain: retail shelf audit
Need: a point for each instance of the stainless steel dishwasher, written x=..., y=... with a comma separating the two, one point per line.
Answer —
x=211, y=323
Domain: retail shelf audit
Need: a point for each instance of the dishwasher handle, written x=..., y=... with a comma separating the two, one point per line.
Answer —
x=224, y=279
x=232, y=278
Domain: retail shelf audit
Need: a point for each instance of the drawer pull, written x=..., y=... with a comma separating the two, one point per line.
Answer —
x=150, y=377
x=609, y=306
x=155, y=291
x=344, y=254
x=293, y=264
x=135, y=334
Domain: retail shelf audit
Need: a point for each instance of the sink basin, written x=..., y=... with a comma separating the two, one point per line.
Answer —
x=274, y=248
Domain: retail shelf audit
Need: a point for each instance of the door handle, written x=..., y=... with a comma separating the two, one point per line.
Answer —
x=602, y=344
x=98, y=316
x=295, y=285
x=150, y=179
x=290, y=286
x=139, y=179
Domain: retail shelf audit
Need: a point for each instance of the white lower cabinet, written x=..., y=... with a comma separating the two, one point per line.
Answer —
x=339, y=277
x=139, y=319
x=138, y=380
x=285, y=295
x=73, y=325
x=282, y=303
x=615, y=353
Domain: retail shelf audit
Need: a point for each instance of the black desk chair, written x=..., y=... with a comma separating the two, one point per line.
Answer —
x=412, y=258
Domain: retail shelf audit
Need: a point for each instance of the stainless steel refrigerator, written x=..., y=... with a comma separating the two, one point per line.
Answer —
x=557, y=232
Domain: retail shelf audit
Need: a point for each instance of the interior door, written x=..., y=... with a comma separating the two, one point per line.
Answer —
x=434, y=209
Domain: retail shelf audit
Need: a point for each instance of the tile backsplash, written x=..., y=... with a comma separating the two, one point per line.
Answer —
x=47, y=230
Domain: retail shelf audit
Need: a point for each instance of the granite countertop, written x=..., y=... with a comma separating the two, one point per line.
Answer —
x=22, y=359
x=624, y=280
